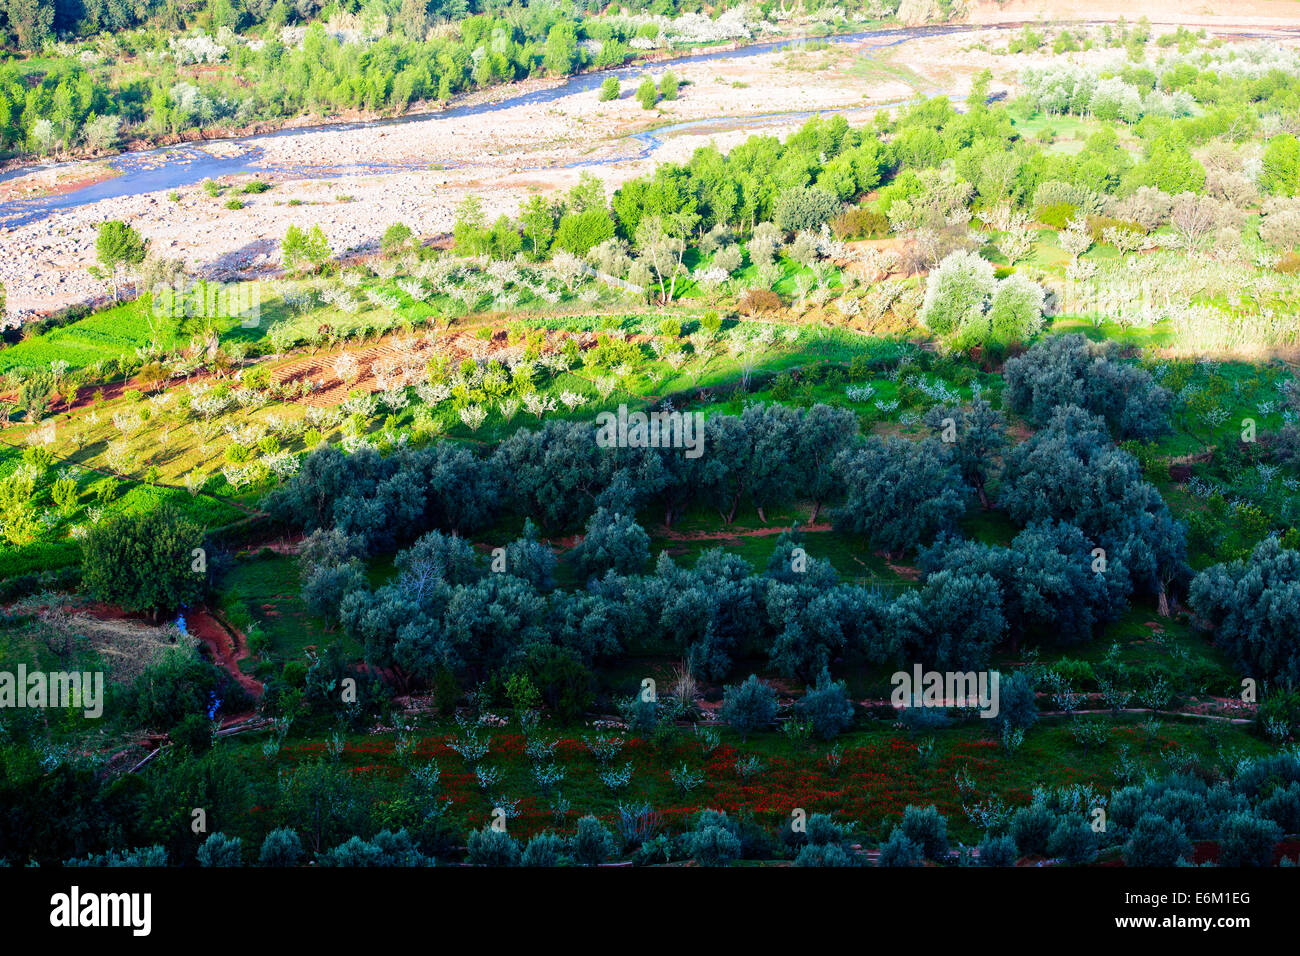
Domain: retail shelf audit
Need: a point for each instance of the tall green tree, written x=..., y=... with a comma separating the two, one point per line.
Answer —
x=119, y=247
x=150, y=561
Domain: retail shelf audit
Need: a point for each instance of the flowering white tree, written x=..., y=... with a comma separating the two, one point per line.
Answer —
x=473, y=416
x=1075, y=238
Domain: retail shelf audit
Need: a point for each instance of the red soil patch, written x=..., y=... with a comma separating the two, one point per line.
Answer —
x=228, y=647
x=384, y=365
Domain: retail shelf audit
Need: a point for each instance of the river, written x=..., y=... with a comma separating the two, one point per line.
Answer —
x=174, y=167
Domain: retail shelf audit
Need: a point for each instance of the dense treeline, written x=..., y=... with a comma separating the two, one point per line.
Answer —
x=1095, y=533
x=277, y=59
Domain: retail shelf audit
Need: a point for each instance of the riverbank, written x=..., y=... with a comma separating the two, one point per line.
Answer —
x=356, y=181
x=417, y=110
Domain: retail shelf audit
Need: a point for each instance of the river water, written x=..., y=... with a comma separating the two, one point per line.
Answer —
x=174, y=167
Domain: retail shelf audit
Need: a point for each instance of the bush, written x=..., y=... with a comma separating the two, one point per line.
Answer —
x=997, y=851
x=749, y=706
x=647, y=95
x=143, y=561
x=544, y=849
x=1156, y=841
x=823, y=855
x=1253, y=607
x=804, y=207
x=613, y=542
x=1283, y=808
x=928, y=829
x=1032, y=828
x=281, y=847
x=898, y=850
x=1056, y=215
x=827, y=707
x=822, y=829
x=1073, y=842
x=714, y=844
x=1017, y=703
x=193, y=733
x=758, y=301
x=859, y=223
x=387, y=849
x=1246, y=839
x=396, y=238
x=956, y=292
x=1069, y=370
x=609, y=89
x=918, y=718
x=1016, y=311
x=220, y=850
x=491, y=847
x=593, y=843
x=563, y=681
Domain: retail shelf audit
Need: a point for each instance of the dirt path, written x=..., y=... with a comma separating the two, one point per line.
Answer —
x=228, y=647
x=672, y=535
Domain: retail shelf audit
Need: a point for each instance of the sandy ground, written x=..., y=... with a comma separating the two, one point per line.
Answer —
x=1186, y=12
x=502, y=156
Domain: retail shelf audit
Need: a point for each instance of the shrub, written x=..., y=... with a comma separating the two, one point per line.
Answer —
x=956, y=292
x=613, y=542
x=220, y=850
x=281, y=847
x=823, y=855
x=1155, y=841
x=1056, y=215
x=593, y=842
x=1032, y=828
x=900, y=493
x=758, y=301
x=1069, y=370
x=749, y=706
x=821, y=829
x=827, y=707
x=1016, y=312
x=804, y=207
x=1253, y=607
x=714, y=844
x=396, y=238
x=1283, y=808
x=1017, y=703
x=544, y=849
x=1098, y=225
x=492, y=847
x=918, y=718
x=1073, y=842
x=193, y=733
x=1246, y=839
x=898, y=850
x=928, y=829
x=859, y=223
x=144, y=561
x=564, y=682
x=647, y=95
x=609, y=89
x=997, y=851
